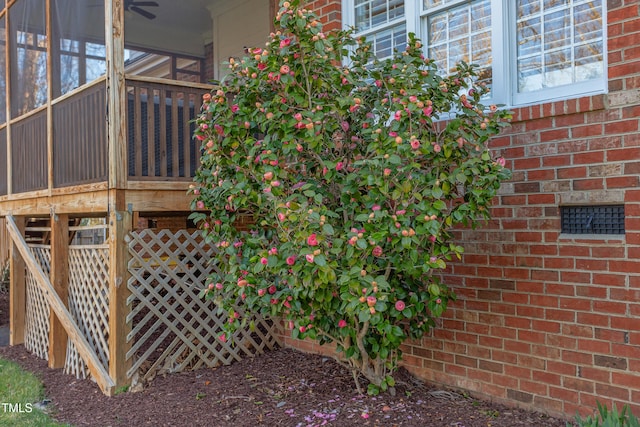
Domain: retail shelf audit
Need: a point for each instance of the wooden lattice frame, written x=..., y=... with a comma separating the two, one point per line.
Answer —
x=89, y=304
x=172, y=328
x=36, y=338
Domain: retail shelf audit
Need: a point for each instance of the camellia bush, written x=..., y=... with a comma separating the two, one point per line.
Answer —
x=352, y=172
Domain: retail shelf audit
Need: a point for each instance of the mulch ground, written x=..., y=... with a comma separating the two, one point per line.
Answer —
x=280, y=388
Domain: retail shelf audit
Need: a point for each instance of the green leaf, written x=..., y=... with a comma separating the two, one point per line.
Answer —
x=327, y=229
x=394, y=159
x=364, y=316
x=320, y=260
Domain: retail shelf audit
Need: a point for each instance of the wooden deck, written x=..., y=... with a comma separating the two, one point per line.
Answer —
x=56, y=157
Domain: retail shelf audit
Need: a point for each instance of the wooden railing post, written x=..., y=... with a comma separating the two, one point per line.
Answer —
x=59, y=274
x=120, y=225
x=17, y=291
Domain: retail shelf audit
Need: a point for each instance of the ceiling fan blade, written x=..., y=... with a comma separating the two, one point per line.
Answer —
x=144, y=3
x=143, y=12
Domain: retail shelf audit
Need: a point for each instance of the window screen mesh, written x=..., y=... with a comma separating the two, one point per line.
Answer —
x=593, y=219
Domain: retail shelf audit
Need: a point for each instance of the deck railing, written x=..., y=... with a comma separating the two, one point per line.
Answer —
x=29, y=166
x=160, y=129
x=159, y=137
x=4, y=182
x=79, y=137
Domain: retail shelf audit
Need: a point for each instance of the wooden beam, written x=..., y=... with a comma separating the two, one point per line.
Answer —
x=17, y=290
x=8, y=80
x=120, y=225
x=116, y=96
x=60, y=280
x=51, y=45
x=100, y=375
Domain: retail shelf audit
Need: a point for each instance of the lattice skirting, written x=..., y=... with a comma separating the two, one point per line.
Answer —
x=172, y=328
x=89, y=304
x=36, y=338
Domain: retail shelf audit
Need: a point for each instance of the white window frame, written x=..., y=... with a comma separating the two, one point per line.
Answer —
x=504, y=67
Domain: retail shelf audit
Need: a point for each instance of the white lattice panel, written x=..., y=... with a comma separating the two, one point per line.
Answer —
x=89, y=304
x=172, y=328
x=36, y=338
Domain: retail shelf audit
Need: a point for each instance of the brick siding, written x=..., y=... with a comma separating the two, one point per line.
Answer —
x=546, y=320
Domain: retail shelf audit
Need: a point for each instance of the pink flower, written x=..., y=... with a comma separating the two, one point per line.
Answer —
x=438, y=301
x=302, y=329
x=219, y=286
x=400, y=305
x=273, y=251
x=222, y=337
x=415, y=144
x=297, y=116
x=339, y=166
x=262, y=292
x=312, y=240
x=285, y=69
x=432, y=238
x=427, y=110
x=375, y=208
x=272, y=289
x=371, y=301
x=281, y=216
x=291, y=260
x=264, y=261
x=345, y=126
x=262, y=66
x=309, y=257
x=501, y=161
x=234, y=108
x=377, y=251
x=364, y=415
x=342, y=323
x=437, y=148
x=386, y=172
x=285, y=42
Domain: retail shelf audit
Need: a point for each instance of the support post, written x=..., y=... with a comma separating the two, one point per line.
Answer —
x=17, y=291
x=120, y=224
x=60, y=280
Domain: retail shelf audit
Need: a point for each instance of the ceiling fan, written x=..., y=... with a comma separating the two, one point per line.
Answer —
x=136, y=6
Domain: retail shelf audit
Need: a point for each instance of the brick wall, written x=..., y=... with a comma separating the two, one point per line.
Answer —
x=547, y=320
x=329, y=12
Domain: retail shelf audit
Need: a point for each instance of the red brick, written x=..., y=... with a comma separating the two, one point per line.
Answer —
x=586, y=131
x=588, y=158
x=573, y=172
x=622, y=182
x=555, y=161
x=588, y=184
x=613, y=392
x=578, y=384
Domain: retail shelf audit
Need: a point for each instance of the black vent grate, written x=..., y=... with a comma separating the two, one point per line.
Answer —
x=593, y=219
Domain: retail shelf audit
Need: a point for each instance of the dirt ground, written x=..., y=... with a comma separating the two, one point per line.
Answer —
x=280, y=388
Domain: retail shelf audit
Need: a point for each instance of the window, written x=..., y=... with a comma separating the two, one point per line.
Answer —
x=382, y=22
x=527, y=50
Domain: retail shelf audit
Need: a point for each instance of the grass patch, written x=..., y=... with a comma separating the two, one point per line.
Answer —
x=19, y=390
